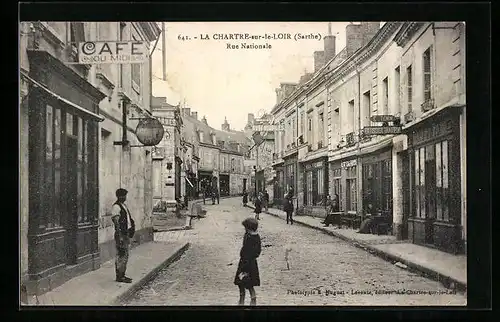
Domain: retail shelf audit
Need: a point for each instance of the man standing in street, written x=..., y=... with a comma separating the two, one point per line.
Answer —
x=124, y=231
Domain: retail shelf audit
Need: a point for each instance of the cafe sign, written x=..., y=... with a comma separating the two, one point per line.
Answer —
x=112, y=52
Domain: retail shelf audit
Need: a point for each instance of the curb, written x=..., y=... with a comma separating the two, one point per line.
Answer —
x=447, y=281
x=149, y=276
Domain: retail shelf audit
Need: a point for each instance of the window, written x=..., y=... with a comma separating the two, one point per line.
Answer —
x=309, y=186
x=385, y=89
x=321, y=186
x=302, y=117
x=419, y=183
x=351, y=120
x=77, y=33
x=387, y=187
x=397, y=88
x=427, y=64
x=136, y=75
x=294, y=130
x=442, y=184
x=366, y=108
x=74, y=185
x=351, y=190
x=409, y=86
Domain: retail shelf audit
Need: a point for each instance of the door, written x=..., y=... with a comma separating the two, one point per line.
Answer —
x=430, y=193
x=406, y=194
x=244, y=184
x=71, y=199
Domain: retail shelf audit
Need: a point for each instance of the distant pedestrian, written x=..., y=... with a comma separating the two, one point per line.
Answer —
x=245, y=198
x=247, y=274
x=288, y=207
x=124, y=231
x=258, y=206
x=266, y=200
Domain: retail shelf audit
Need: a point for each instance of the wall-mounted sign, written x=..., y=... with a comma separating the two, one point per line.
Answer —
x=149, y=131
x=381, y=130
x=112, y=52
x=268, y=127
x=384, y=118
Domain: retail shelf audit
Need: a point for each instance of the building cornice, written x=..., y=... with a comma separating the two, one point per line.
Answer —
x=406, y=32
x=325, y=76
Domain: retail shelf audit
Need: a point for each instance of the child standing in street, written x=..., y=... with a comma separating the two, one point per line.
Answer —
x=247, y=274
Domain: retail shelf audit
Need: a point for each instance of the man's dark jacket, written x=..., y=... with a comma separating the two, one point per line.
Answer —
x=122, y=222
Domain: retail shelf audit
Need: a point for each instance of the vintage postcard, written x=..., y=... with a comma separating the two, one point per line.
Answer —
x=243, y=163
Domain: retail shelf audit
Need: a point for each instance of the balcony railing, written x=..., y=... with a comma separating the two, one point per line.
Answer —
x=320, y=144
x=294, y=145
x=309, y=147
x=427, y=105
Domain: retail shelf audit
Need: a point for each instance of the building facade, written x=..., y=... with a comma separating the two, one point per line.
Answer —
x=413, y=72
x=63, y=146
x=167, y=155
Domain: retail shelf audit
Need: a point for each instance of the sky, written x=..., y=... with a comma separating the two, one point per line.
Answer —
x=230, y=83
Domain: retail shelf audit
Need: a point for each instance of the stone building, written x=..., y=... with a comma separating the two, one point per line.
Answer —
x=64, y=227
x=167, y=155
x=413, y=72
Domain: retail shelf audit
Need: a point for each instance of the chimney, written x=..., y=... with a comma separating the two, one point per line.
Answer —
x=194, y=115
x=279, y=95
x=304, y=78
x=204, y=120
x=225, y=125
x=329, y=47
x=251, y=118
x=319, y=60
x=358, y=36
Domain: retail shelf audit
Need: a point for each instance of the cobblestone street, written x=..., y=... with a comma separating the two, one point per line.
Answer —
x=323, y=270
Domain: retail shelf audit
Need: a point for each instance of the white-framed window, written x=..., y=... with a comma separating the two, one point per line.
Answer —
x=427, y=73
x=385, y=89
x=409, y=88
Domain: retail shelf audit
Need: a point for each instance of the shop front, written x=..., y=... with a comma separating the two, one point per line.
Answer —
x=377, y=183
x=63, y=170
x=290, y=173
x=349, y=186
x=435, y=181
x=315, y=183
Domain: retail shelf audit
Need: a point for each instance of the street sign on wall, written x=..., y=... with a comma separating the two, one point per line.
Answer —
x=381, y=130
x=384, y=118
x=112, y=52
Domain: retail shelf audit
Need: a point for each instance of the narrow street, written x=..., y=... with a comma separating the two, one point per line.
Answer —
x=323, y=270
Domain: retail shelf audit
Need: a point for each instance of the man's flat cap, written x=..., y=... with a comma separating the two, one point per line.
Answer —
x=121, y=192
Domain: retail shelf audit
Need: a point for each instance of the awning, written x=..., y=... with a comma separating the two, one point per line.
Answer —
x=97, y=117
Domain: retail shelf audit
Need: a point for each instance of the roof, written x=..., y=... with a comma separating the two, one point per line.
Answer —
x=192, y=125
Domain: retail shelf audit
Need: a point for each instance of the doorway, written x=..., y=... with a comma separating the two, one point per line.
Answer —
x=244, y=184
x=430, y=193
x=71, y=199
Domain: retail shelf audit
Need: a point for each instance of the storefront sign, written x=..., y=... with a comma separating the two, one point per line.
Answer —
x=268, y=127
x=112, y=52
x=318, y=164
x=149, y=131
x=384, y=118
x=347, y=164
x=381, y=130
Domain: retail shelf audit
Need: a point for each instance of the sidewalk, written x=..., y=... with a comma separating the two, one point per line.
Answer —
x=99, y=287
x=445, y=267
